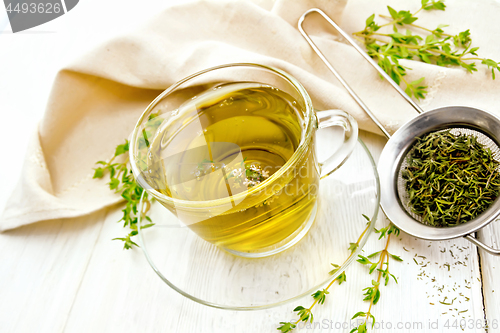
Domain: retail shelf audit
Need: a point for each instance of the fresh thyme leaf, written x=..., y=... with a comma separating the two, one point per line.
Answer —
x=429, y=5
x=360, y=329
x=320, y=295
x=374, y=254
x=358, y=314
x=286, y=327
x=304, y=314
x=113, y=184
x=353, y=247
x=369, y=20
x=376, y=297
x=391, y=228
x=341, y=278
x=121, y=149
x=395, y=257
x=99, y=172
x=336, y=268
x=128, y=243
x=491, y=64
x=363, y=260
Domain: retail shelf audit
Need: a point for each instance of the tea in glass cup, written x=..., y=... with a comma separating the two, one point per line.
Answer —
x=230, y=151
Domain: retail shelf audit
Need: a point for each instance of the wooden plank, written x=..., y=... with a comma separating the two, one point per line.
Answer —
x=42, y=266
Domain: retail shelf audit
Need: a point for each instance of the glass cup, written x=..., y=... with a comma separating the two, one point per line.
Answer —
x=230, y=151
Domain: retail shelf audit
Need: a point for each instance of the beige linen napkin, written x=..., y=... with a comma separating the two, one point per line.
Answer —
x=95, y=102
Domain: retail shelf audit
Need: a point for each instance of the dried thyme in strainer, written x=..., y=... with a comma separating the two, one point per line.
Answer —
x=450, y=179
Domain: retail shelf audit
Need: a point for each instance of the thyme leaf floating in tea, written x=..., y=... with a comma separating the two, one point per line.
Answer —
x=248, y=175
x=450, y=179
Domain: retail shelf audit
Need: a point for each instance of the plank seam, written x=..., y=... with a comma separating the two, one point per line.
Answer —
x=479, y=263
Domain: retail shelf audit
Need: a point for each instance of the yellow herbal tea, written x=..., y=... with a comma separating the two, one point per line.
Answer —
x=224, y=143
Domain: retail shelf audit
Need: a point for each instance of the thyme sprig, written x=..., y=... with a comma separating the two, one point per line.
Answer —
x=372, y=293
x=432, y=46
x=319, y=297
x=121, y=180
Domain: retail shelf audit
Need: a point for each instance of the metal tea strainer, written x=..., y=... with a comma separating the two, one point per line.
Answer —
x=459, y=119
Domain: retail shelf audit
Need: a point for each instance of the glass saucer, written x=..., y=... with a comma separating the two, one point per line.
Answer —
x=211, y=276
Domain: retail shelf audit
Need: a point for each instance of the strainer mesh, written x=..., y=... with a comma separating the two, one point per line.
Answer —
x=404, y=198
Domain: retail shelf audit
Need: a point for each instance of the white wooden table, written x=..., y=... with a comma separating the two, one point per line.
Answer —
x=68, y=276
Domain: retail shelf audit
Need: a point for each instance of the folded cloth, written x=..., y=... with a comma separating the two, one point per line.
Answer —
x=96, y=101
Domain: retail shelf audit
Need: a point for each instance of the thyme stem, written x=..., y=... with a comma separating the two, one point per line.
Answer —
x=383, y=255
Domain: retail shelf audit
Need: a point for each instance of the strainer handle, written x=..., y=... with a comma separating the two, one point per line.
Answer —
x=481, y=245
x=365, y=55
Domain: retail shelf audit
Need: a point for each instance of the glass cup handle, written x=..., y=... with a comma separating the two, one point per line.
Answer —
x=342, y=119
